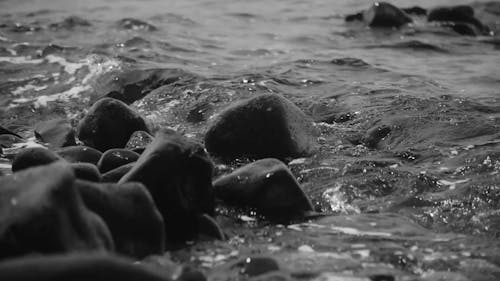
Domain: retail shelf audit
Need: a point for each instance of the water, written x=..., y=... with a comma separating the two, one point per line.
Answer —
x=422, y=204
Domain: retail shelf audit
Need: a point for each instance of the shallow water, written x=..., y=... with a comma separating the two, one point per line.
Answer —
x=423, y=203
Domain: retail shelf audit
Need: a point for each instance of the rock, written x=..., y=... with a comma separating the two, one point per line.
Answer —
x=80, y=153
x=208, y=226
x=57, y=133
x=109, y=124
x=135, y=24
x=462, y=15
x=86, y=171
x=375, y=135
x=70, y=23
x=382, y=14
x=266, y=185
x=115, y=158
x=5, y=131
x=274, y=276
x=41, y=212
x=130, y=213
x=116, y=174
x=138, y=141
x=78, y=267
x=33, y=156
x=264, y=126
x=253, y=266
x=189, y=273
x=178, y=174
x=415, y=10
x=9, y=140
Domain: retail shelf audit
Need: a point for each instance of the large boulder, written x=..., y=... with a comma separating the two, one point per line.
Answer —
x=109, y=124
x=77, y=267
x=80, y=153
x=56, y=133
x=130, y=213
x=264, y=126
x=382, y=14
x=32, y=157
x=41, y=212
x=266, y=185
x=178, y=174
x=115, y=158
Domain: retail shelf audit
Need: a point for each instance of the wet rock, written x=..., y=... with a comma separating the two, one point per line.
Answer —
x=264, y=126
x=115, y=158
x=5, y=131
x=130, y=213
x=138, y=141
x=189, y=273
x=32, y=157
x=382, y=277
x=415, y=10
x=382, y=14
x=41, y=212
x=116, y=174
x=96, y=267
x=135, y=24
x=461, y=17
x=198, y=112
x=109, y=124
x=178, y=174
x=272, y=276
x=267, y=185
x=253, y=266
x=70, y=23
x=56, y=133
x=86, y=171
x=375, y=135
x=80, y=153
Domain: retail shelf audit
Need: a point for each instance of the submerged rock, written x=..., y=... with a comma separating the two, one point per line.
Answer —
x=109, y=124
x=382, y=14
x=267, y=185
x=178, y=174
x=375, y=135
x=264, y=126
x=80, y=153
x=116, y=174
x=56, y=133
x=135, y=24
x=95, y=267
x=41, y=212
x=86, y=171
x=115, y=158
x=130, y=212
x=32, y=157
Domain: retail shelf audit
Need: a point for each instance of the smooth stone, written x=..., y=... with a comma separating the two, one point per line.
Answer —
x=130, y=213
x=266, y=185
x=382, y=14
x=264, y=126
x=415, y=10
x=32, y=157
x=189, y=273
x=257, y=265
x=77, y=267
x=109, y=124
x=139, y=140
x=116, y=174
x=178, y=174
x=56, y=133
x=80, y=153
x=42, y=212
x=86, y=171
x=209, y=227
x=115, y=158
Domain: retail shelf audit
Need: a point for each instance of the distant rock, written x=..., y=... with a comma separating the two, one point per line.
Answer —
x=86, y=171
x=109, y=124
x=32, y=157
x=116, y=174
x=266, y=185
x=264, y=126
x=56, y=133
x=80, y=153
x=115, y=158
x=135, y=24
x=95, y=267
x=70, y=23
x=41, y=212
x=460, y=18
x=178, y=174
x=130, y=213
x=382, y=14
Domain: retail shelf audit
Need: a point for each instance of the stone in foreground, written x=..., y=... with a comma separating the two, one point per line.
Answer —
x=115, y=158
x=264, y=126
x=32, y=157
x=109, y=124
x=41, y=212
x=266, y=185
x=80, y=153
x=130, y=213
x=178, y=174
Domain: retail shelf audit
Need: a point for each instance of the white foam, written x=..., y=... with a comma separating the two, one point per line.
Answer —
x=69, y=67
x=20, y=60
x=20, y=90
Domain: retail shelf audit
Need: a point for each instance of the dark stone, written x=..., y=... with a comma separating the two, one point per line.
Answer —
x=264, y=126
x=208, y=226
x=33, y=156
x=189, y=273
x=266, y=185
x=5, y=131
x=375, y=135
x=116, y=174
x=109, y=124
x=462, y=15
x=464, y=29
x=139, y=140
x=382, y=14
x=41, y=212
x=115, y=158
x=130, y=213
x=382, y=277
x=135, y=24
x=198, y=112
x=86, y=171
x=80, y=153
x=354, y=17
x=415, y=10
x=272, y=276
x=253, y=266
x=178, y=174
x=77, y=267
x=56, y=133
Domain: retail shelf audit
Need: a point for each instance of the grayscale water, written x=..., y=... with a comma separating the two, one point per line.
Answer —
x=423, y=205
